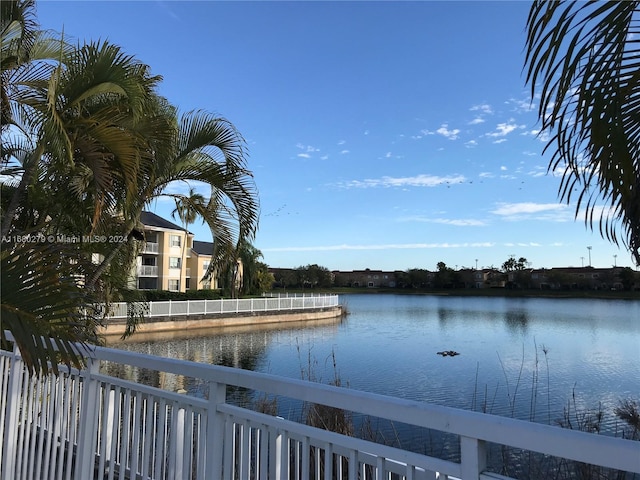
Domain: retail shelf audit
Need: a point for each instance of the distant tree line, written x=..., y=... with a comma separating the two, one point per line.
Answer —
x=309, y=276
x=515, y=273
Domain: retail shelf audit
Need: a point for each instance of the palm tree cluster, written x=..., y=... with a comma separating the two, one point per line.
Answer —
x=87, y=145
x=583, y=62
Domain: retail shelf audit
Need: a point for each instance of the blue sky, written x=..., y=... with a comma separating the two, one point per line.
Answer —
x=382, y=135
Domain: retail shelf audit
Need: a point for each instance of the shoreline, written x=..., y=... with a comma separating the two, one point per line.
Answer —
x=183, y=323
x=486, y=292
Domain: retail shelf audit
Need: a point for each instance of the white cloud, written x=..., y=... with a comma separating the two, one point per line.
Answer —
x=476, y=121
x=503, y=129
x=417, y=181
x=458, y=222
x=527, y=210
x=324, y=157
x=486, y=175
x=366, y=132
x=471, y=144
x=342, y=142
x=392, y=246
x=542, y=136
x=522, y=106
x=387, y=155
x=304, y=155
x=445, y=132
x=501, y=140
x=307, y=148
x=343, y=152
x=503, y=168
x=484, y=108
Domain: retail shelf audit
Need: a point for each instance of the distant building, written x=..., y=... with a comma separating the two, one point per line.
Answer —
x=170, y=258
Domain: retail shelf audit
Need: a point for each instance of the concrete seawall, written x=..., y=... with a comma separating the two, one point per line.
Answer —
x=215, y=321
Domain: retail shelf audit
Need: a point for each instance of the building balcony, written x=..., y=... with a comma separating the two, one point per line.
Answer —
x=147, y=271
x=150, y=247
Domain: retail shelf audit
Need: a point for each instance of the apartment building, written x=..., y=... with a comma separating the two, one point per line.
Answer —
x=170, y=258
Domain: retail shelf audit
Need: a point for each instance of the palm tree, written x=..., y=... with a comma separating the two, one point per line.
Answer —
x=583, y=59
x=89, y=130
x=90, y=144
x=186, y=213
x=206, y=149
x=28, y=56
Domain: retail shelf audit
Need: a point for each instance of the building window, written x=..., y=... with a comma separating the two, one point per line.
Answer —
x=174, y=262
x=187, y=283
x=174, y=240
x=174, y=285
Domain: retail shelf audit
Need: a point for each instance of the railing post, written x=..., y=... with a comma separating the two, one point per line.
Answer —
x=170, y=308
x=14, y=397
x=89, y=421
x=215, y=431
x=473, y=458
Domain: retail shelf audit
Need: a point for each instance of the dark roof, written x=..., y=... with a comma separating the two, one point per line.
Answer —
x=150, y=219
x=202, y=248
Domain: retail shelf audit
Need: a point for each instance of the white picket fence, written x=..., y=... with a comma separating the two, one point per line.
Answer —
x=229, y=306
x=84, y=425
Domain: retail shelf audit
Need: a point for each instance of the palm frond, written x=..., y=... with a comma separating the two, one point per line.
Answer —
x=583, y=58
x=44, y=305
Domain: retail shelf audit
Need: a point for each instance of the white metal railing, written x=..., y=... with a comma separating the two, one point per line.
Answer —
x=230, y=306
x=150, y=247
x=147, y=270
x=89, y=425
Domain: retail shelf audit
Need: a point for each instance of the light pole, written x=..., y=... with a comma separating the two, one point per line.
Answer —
x=589, y=248
x=614, y=261
x=582, y=260
x=476, y=263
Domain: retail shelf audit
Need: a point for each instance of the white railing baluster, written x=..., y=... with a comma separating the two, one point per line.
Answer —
x=473, y=457
x=215, y=430
x=161, y=438
x=89, y=421
x=149, y=419
x=124, y=455
x=104, y=429
x=11, y=412
x=174, y=441
x=136, y=418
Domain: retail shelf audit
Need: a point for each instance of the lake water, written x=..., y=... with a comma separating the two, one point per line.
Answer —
x=530, y=358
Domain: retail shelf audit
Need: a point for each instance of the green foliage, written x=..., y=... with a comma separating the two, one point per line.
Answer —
x=313, y=276
x=582, y=61
x=513, y=265
x=44, y=304
x=87, y=144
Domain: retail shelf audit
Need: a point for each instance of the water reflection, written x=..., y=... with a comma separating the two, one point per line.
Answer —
x=516, y=321
x=238, y=347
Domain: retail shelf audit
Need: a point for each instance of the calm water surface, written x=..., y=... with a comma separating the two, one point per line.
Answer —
x=518, y=357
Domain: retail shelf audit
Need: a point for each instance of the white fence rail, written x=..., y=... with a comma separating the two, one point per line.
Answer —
x=229, y=306
x=86, y=424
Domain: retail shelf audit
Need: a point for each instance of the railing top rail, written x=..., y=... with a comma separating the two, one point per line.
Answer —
x=575, y=445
